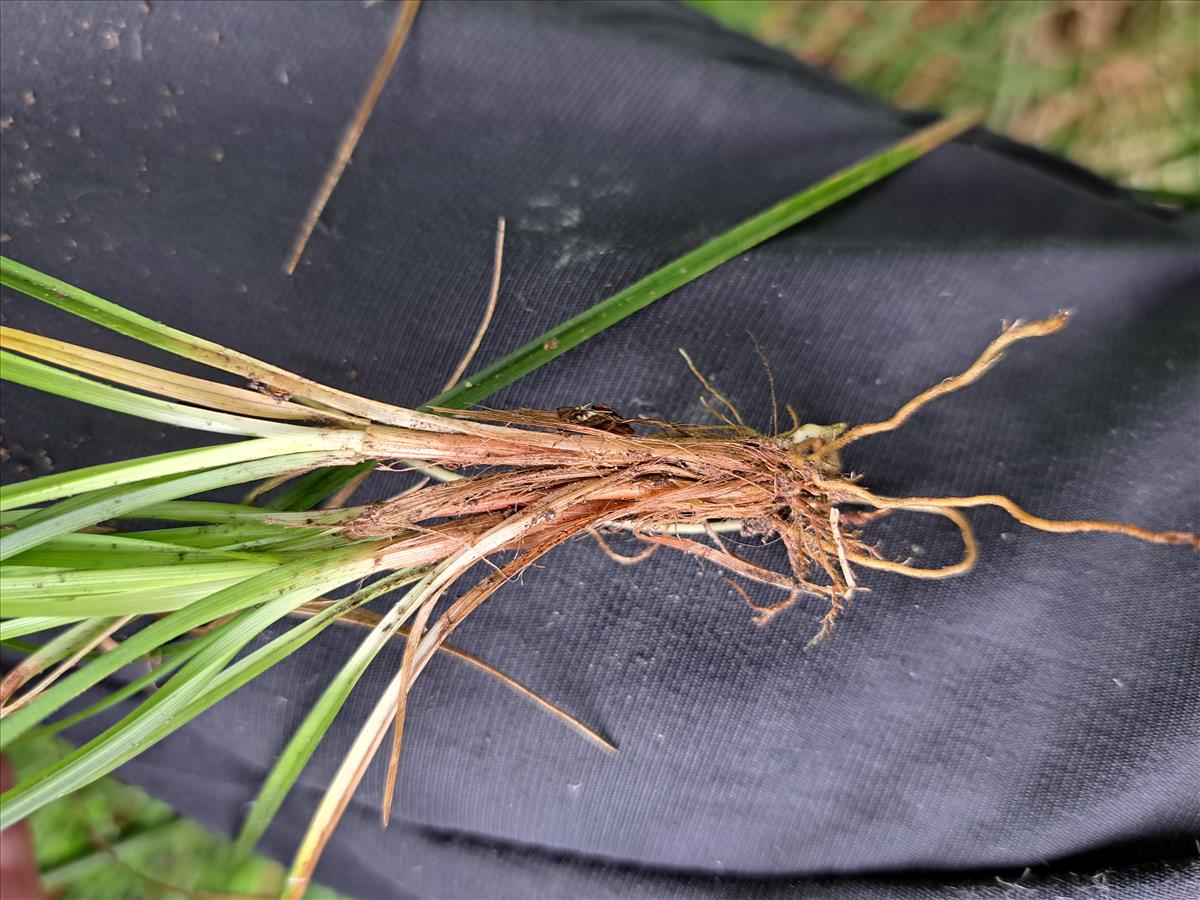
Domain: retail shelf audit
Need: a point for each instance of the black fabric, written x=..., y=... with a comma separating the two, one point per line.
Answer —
x=1042, y=711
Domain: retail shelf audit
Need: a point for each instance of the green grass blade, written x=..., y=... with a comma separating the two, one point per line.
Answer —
x=198, y=685
x=67, y=297
x=303, y=743
x=110, y=592
x=113, y=551
x=210, y=538
x=233, y=514
x=180, y=653
x=93, y=508
x=14, y=628
x=309, y=490
x=230, y=540
x=54, y=585
x=231, y=600
x=690, y=266
x=42, y=377
x=117, y=603
x=124, y=472
x=164, y=382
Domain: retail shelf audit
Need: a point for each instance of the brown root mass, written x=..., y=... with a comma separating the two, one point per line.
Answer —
x=553, y=476
x=542, y=478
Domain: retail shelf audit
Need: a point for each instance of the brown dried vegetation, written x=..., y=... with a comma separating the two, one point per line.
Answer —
x=554, y=476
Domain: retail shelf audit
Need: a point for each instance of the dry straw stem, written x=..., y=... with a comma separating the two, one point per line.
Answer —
x=362, y=114
x=20, y=674
x=366, y=619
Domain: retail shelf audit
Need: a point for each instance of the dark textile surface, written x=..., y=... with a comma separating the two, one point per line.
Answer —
x=1044, y=706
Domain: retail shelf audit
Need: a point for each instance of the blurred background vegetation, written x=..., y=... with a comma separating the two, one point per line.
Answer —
x=112, y=841
x=1111, y=84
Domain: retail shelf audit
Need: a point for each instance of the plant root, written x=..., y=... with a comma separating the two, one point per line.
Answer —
x=514, y=485
x=583, y=470
x=529, y=480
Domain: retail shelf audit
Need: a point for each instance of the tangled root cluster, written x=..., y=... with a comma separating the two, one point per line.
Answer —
x=551, y=476
x=540, y=478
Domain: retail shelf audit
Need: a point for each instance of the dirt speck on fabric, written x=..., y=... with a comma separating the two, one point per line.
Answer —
x=29, y=180
x=134, y=44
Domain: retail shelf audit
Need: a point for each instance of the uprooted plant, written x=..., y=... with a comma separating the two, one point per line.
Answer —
x=510, y=487
x=547, y=477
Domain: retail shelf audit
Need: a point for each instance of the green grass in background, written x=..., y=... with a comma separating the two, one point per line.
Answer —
x=113, y=841
x=1111, y=84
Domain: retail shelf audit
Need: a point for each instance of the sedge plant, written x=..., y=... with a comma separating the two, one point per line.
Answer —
x=86, y=595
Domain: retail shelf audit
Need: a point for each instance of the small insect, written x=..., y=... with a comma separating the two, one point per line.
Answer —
x=595, y=415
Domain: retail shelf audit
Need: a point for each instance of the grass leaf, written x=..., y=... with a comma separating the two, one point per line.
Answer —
x=180, y=652
x=152, y=379
x=126, y=472
x=196, y=686
x=690, y=266
x=14, y=628
x=304, y=741
x=230, y=600
x=116, y=551
x=92, y=508
x=79, y=302
x=46, y=378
